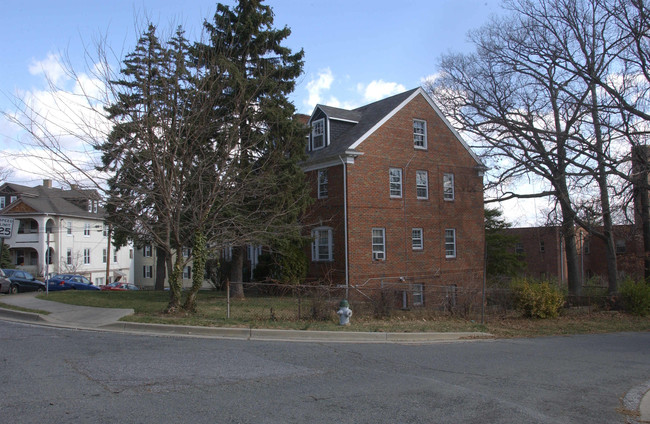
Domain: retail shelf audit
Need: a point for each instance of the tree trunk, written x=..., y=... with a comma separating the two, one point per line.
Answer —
x=199, y=257
x=161, y=268
x=237, y=272
x=642, y=201
x=175, y=287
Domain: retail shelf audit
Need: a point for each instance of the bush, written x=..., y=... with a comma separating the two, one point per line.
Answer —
x=635, y=297
x=537, y=300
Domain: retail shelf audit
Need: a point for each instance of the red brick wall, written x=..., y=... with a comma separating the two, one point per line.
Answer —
x=370, y=205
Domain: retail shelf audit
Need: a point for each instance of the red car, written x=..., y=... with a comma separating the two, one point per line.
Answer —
x=120, y=286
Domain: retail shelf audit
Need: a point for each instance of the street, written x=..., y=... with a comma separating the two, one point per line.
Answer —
x=52, y=375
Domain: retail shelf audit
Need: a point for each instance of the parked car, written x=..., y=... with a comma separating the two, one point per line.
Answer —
x=5, y=284
x=23, y=281
x=119, y=286
x=69, y=282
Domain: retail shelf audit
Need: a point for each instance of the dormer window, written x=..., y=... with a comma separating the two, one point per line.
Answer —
x=318, y=134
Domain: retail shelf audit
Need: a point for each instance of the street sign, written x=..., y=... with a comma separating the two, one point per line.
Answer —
x=6, y=227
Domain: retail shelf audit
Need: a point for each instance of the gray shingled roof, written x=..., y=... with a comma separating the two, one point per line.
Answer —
x=366, y=117
x=56, y=201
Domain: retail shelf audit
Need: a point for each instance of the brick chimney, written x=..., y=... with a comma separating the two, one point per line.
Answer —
x=47, y=183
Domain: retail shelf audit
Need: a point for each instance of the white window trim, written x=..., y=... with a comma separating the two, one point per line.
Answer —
x=453, y=233
x=391, y=182
x=418, y=293
x=451, y=197
x=69, y=228
x=426, y=185
x=147, y=251
x=68, y=257
x=104, y=255
x=86, y=256
x=314, y=134
x=379, y=254
x=323, y=194
x=2, y=202
x=187, y=272
x=414, y=239
x=425, y=143
x=86, y=230
x=315, y=256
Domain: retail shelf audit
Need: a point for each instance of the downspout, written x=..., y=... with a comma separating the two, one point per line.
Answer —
x=345, y=224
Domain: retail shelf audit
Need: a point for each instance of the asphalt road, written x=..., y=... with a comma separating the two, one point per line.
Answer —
x=50, y=375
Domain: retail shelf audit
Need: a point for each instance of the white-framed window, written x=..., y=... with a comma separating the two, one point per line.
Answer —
x=322, y=247
x=86, y=256
x=68, y=257
x=104, y=255
x=86, y=230
x=115, y=256
x=95, y=205
x=422, y=184
x=419, y=134
x=187, y=272
x=318, y=134
x=395, y=182
x=147, y=251
x=90, y=205
x=147, y=271
x=68, y=228
x=378, y=244
x=448, y=186
x=2, y=202
x=99, y=281
x=450, y=243
x=186, y=252
x=12, y=199
x=418, y=294
x=417, y=243
x=322, y=183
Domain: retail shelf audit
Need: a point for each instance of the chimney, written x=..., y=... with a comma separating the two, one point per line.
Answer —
x=47, y=183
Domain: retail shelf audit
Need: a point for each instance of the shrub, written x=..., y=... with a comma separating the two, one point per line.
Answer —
x=635, y=297
x=537, y=300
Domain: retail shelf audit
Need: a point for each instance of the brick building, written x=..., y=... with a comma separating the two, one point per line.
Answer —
x=545, y=256
x=398, y=199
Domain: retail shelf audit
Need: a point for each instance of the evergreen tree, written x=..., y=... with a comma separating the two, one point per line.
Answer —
x=502, y=260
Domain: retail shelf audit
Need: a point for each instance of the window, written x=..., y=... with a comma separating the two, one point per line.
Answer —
x=541, y=246
x=86, y=256
x=186, y=252
x=68, y=257
x=99, y=281
x=104, y=255
x=12, y=199
x=322, y=183
x=418, y=294
x=95, y=204
x=395, y=176
x=105, y=232
x=146, y=251
x=416, y=239
x=187, y=272
x=90, y=205
x=419, y=134
x=130, y=253
x=114, y=256
x=322, y=246
x=519, y=248
x=448, y=186
x=450, y=243
x=378, y=244
x=68, y=229
x=20, y=257
x=621, y=246
x=2, y=202
x=48, y=256
x=147, y=271
x=318, y=134
x=86, y=230
x=422, y=184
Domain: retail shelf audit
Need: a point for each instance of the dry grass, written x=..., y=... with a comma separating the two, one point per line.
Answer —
x=289, y=313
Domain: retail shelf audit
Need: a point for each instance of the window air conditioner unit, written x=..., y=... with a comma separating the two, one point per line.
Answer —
x=378, y=256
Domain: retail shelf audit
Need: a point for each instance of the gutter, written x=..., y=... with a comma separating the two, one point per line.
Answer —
x=345, y=222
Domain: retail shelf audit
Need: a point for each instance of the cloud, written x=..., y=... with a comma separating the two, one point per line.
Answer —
x=315, y=87
x=50, y=67
x=379, y=89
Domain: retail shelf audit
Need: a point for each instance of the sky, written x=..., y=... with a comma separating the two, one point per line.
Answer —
x=356, y=52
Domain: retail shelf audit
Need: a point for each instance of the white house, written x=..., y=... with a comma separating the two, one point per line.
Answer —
x=62, y=231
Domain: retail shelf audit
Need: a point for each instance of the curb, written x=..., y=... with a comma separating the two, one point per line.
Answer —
x=21, y=315
x=253, y=333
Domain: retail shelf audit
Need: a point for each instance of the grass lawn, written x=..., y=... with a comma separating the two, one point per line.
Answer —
x=289, y=313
